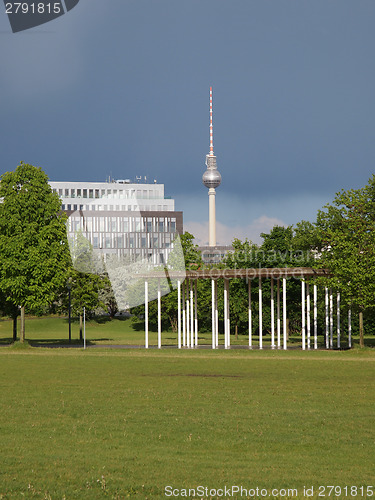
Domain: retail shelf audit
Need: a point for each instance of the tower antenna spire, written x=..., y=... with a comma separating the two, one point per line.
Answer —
x=211, y=127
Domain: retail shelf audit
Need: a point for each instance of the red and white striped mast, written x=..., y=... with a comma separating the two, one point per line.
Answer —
x=211, y=127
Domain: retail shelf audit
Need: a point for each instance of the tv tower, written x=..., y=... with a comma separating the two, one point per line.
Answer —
x=211, y=179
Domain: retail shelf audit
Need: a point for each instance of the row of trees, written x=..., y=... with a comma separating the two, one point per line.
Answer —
x=35, y=262
x=342, y=239
x=36, y=267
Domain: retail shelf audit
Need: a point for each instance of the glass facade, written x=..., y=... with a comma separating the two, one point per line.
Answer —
x=122, y=219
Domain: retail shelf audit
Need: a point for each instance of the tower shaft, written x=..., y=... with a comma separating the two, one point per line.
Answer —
x=211, y=217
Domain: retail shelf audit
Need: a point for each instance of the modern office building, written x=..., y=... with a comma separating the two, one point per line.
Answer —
x=122, y=217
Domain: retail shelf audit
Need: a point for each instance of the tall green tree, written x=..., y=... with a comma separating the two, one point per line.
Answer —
x=347, y=232
x=33, y=247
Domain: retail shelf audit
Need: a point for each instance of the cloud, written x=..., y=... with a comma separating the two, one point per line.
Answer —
x=225, y=234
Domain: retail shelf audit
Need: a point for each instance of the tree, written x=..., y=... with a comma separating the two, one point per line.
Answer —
x=106, y=296
x=33, y=247
x=346, y=229
x=281, y=247
x=84, y=294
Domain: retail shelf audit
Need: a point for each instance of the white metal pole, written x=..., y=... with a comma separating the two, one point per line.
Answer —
x=179, y=312
x=308, y=314
x=213, y=315
x=330, y=318
x=84, y=327
x=327, y=315
x=315, y=317
x=338, y=322
x=272, y=317
x=260, y=316
x=183, y=316
x=196, y=312
x=350, y=327
x=216, y=316
x=303, y=316
x=284, y=314
x=228, y=313
x=146, y=314
x=191, y=314
x=159, y=315
x=225, y=315
x=250, y=315
x=187, y=323
x=187, y=315
x=278, y=315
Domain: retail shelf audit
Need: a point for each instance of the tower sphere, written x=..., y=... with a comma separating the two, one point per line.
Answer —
x=211, y=178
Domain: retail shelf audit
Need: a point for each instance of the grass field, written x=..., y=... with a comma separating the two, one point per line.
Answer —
x=101, y=423
x=54, y=330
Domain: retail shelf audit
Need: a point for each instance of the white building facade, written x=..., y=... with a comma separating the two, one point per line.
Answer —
x=121, y=217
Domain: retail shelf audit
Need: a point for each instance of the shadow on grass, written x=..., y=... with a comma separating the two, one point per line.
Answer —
x=65, y=342
x=6, y=341
x=102, y=320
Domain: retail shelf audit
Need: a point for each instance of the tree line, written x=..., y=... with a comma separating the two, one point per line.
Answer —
x=35, y=264
x=36, y=268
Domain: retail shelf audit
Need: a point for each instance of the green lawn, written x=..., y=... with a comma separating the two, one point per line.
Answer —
x=101, y=423
x=54, y=330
